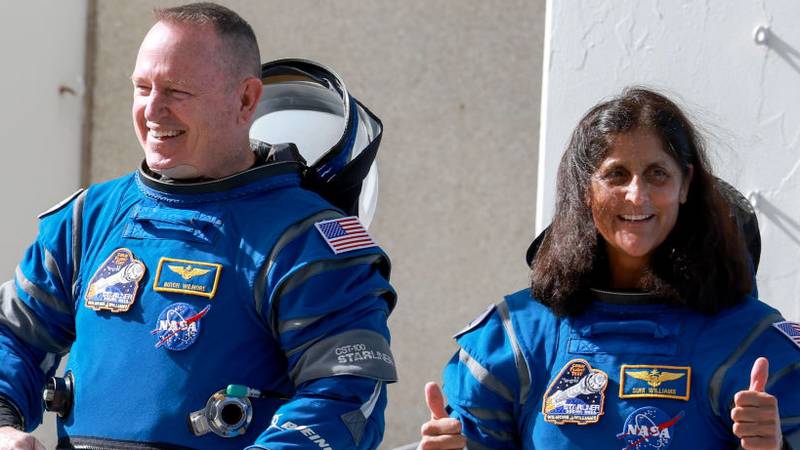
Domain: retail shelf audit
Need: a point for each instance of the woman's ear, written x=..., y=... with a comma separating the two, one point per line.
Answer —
x=587, y=195
x=687, y=180
x=587, y=198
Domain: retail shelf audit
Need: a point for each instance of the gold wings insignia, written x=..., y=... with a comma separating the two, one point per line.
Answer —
x=188, y=272
x=669, y=376
x=654, y=378
x=639, y=374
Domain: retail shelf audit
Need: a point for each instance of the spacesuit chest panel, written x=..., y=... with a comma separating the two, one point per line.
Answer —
x=189, y=294
x=151, y=221
x=623, y=378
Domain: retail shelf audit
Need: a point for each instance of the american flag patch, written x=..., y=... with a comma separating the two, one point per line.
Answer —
x=790, y=329
x=345, y=234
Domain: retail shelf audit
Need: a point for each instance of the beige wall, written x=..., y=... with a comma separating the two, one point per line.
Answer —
x=457, y=85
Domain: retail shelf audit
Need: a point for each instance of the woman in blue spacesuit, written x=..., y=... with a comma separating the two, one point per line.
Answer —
x=639, y=330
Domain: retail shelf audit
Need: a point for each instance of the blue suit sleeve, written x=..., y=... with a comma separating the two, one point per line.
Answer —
x=483, y=384
x=329, y=313
x=36, y=316
x=767, y=340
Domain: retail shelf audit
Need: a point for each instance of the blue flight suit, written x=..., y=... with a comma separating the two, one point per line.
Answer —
x=668, y=375
x=236, y=285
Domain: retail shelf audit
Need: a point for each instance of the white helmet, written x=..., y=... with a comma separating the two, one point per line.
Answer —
x=307, y=104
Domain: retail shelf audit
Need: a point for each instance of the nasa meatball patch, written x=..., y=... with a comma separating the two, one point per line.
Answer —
x=178, y=326
x=649, y=428
x=576, y=395
x=114, y=285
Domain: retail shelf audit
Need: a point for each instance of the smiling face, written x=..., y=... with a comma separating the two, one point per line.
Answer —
x=187, y=108
x=635, y=195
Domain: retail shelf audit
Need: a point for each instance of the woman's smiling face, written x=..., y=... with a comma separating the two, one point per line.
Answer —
x=635, y=195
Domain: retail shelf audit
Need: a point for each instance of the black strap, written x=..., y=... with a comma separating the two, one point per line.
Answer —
x=745, y=217
x=9, y=415
x=534, y=247
x=93, y=443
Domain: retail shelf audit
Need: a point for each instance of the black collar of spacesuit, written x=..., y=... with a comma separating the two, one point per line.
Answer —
x=271, y=160
x=625, y=297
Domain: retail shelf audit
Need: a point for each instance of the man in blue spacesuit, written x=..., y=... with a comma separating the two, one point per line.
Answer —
x=208, y=288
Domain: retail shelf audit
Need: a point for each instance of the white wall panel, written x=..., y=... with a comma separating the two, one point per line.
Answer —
x=703, y=54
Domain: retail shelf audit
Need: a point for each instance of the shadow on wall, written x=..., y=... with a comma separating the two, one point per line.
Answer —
x=785, y=222
x=782, y=48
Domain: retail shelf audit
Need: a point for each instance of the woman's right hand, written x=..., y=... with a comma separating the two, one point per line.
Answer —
x=441, y=432
x=13, y=439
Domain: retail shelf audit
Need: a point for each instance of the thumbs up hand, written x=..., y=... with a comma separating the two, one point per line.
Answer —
x=12, y=438
x=441, y=432
x=755, y=414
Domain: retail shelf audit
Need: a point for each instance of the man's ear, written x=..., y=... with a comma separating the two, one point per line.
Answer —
x=687, y=181
x=249, y=93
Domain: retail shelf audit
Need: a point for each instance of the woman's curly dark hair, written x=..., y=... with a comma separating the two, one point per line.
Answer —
x=702, y=264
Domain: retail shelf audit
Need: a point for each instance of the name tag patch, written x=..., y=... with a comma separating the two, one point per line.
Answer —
x=653, y=381
x=114, y=285
x=187, y=277
x=649, y=428
x=576, y=395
